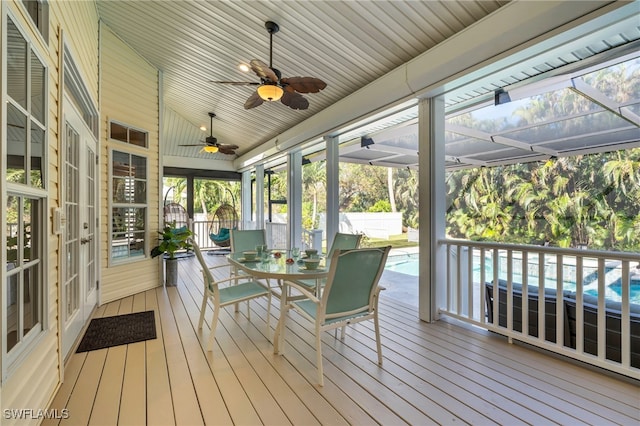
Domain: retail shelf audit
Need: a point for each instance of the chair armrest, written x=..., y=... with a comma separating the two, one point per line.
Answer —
x=304, y=291
x=234, y=279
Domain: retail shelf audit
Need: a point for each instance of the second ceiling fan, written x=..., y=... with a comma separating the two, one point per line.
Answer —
x=274, y=87
x=211, y=145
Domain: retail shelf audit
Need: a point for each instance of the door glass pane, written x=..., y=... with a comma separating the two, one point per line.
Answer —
x=16, y=65
x=37, y=88
x=13, y=231
x=37, y=148
x=12, y=311
x=30, y=299
x=16, y=145
x=26, y=237
x=91, y=219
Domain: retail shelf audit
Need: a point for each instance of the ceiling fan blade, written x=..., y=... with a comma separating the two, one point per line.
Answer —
x=304, y=84
x=226, y=146
x=263, y=71
x=227, y=151
x=253, y=101
x=200, y=144
x=294, y=100
x=236, y=83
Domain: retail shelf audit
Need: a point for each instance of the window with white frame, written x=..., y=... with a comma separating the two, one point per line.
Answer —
x=25, y=149
x=128, y=206
x=38, y=10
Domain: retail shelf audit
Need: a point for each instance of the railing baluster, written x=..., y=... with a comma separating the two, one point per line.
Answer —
x=458, y=293
x=510, y=290
x=496, y=291
x=602, y=318
x=579, y=305
x=525, y=292
x=470, y=283
x=625, y=328
x=541, y=305
x=559, y=304
x=483, y=297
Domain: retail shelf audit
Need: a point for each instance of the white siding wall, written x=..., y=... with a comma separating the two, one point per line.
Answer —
x=35, y=381
x=129, y=95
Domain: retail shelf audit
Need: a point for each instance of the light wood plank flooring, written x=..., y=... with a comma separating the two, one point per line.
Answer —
x=440, y=373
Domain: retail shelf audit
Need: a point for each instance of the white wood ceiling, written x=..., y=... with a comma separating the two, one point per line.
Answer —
x=348, y=44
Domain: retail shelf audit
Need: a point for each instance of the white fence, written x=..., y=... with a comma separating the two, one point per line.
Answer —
x=373, y=225
x=583, y=310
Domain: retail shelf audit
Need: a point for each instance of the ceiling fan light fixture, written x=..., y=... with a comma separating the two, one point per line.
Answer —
x=270, y=92
x=210, y=149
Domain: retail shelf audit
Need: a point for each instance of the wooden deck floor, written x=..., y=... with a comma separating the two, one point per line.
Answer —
x=439, y=373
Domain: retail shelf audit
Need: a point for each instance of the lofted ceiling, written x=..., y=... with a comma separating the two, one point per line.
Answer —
x=348, y=44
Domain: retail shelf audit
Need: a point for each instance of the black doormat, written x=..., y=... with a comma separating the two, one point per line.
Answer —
x=118, y=330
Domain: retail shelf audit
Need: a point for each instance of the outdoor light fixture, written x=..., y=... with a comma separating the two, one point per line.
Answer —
x=365, y=142
x=270, y=92
x=501, y=97
x=210, y=149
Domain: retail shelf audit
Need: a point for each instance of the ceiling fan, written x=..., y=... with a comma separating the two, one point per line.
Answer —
x=211, y=145
x=272, y=86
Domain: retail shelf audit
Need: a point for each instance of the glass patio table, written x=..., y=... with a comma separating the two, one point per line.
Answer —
x=276, y=268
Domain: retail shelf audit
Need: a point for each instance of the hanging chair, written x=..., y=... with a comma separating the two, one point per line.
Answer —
x=224, y=220
x=175, y=213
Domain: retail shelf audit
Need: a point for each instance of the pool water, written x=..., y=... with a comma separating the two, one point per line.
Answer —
x=404, y=264
x=409, y=264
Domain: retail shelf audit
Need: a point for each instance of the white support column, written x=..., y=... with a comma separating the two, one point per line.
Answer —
x=294, y=198
x=260, y=196
x=333, y=185
x=245, y=198
x=432, y=280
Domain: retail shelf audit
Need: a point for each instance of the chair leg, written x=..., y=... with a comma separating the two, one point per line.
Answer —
x=214, y=323
x=202, y=309
x=248, y=310
x=376, y=326
x=268, y=314
x=319, y=355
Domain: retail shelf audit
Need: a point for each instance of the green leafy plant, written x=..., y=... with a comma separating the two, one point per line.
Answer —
x=172, y=239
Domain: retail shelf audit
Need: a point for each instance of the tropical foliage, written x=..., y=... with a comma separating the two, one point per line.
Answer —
x=208, y=194
x=591, y=200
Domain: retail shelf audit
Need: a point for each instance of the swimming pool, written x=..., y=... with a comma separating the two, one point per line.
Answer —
x=404, y=264
x=409, y=264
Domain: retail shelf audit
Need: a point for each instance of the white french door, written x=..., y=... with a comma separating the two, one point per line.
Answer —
x=79, y=267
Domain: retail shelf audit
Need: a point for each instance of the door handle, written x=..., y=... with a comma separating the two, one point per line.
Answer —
x=85, y=240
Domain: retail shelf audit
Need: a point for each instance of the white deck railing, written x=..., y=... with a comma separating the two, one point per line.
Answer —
x=596, y=321
x=276, y=234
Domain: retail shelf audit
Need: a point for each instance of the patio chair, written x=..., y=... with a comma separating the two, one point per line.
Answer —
x=246, y=239
x=350, y=295
x=340, y=242
x=232, y=294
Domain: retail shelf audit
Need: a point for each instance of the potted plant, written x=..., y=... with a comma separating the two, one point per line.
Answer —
x=172, y=239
